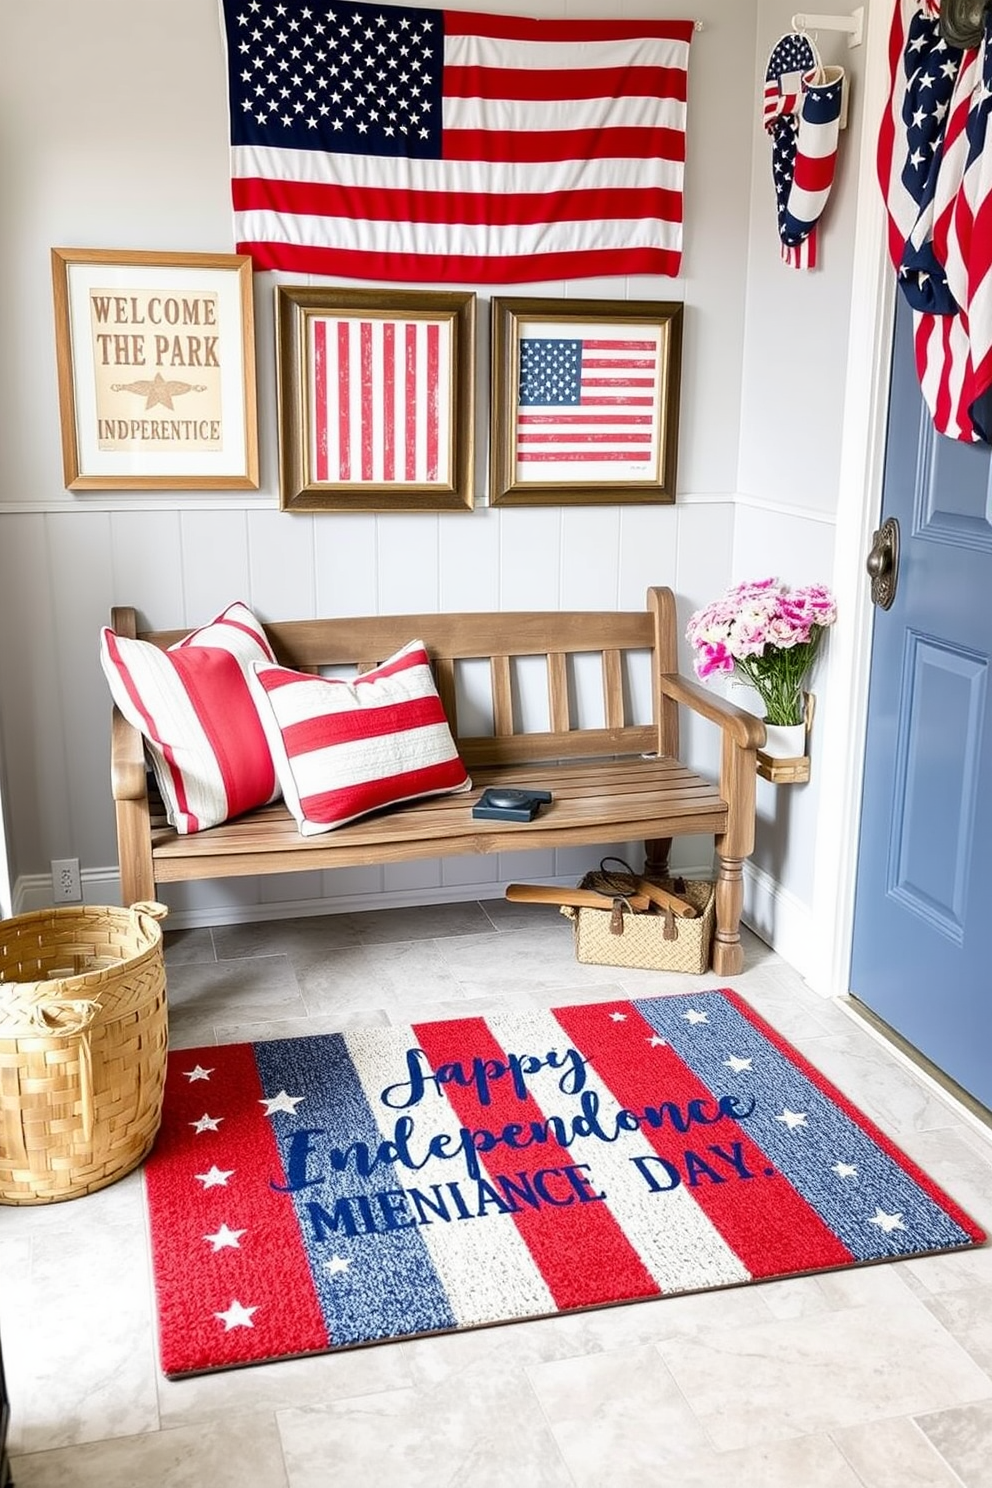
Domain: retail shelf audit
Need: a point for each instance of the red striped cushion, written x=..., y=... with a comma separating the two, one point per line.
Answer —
x=201, y=729
x=344, y=748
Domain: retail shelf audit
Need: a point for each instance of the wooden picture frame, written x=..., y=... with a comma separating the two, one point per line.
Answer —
x=156, y=370
x=585, y=401
x=376, y=395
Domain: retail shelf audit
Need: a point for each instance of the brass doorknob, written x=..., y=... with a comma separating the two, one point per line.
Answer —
x=882, y=563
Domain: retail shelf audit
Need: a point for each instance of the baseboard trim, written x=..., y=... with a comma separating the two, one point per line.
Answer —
x=102, y=886
x=782, y=921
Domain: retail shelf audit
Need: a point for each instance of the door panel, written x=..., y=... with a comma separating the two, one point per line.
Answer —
x=922, y=953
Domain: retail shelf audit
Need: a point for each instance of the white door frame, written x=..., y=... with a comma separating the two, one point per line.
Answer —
x=845, y=710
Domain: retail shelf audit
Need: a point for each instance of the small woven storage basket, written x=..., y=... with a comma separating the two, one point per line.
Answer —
x=83, y=1037
x=642, y=941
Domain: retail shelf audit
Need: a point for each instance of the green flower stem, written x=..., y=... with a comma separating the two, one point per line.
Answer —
x=778, y=676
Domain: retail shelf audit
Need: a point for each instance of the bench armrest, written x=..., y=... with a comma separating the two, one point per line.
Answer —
x=127, y=760
x=129, y=783
x=742, y=735
x=743, y=727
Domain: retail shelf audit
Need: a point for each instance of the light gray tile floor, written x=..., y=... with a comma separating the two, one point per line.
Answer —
x=879, y=1377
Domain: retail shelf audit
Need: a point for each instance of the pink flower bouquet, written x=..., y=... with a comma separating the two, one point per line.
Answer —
x=769, y=634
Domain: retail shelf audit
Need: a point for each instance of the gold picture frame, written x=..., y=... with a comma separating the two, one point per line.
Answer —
x=376, y=397
x=155, y=356
x=585, y=401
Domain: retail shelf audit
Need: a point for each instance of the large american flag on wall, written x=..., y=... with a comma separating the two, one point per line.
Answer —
x=402, y=143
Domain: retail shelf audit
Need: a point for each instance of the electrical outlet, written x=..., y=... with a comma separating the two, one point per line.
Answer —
x=66, y=888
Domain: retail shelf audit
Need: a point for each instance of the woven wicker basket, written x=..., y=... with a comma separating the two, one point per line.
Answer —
x=83, y=1036
x=642, y=941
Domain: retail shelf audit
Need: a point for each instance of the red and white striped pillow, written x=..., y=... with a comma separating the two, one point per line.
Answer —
x=192, y=704
x=343, y=748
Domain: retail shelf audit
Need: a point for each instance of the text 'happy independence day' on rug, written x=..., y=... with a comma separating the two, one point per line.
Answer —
x=316, y=1193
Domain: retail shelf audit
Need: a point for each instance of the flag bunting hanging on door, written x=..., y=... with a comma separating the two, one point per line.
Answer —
x=935, y=174
x=397, y=143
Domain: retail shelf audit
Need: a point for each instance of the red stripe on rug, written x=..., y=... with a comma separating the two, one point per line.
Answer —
x=798, y=1240
x=929, y=1187
x=580, y=1249
x=198, y=1278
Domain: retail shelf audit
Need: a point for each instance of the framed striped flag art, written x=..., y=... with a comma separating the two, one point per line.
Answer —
x=375, y=398
x=585, y=401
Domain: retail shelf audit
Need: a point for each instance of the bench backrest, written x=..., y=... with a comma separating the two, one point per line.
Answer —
x=502, y=640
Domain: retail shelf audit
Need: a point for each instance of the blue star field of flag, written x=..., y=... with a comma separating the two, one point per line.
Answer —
x=550, y=372
x=931, y=68
x=362, y=79
x=928, y=97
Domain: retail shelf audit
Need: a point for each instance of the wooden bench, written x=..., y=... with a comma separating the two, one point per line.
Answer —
x=618, y=782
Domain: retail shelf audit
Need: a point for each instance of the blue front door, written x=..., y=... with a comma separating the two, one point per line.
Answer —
x=922, y=953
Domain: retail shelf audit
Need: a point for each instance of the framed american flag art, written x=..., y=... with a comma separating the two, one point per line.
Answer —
x=585, y=401
x=376, y=399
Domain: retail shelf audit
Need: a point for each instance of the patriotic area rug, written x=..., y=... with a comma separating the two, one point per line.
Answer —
x=312, y=1194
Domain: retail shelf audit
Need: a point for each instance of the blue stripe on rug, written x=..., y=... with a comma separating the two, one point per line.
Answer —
x=848, y=1204
x=381, y=1280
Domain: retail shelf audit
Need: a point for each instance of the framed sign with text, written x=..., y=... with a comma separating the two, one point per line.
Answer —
x=156, y=370
x=585, y=401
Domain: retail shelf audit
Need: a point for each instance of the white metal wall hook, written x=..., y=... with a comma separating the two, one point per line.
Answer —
x=853, y=24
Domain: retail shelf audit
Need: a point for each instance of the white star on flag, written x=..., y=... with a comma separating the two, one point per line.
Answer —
x=657, y=1042
x=792, y=1119
x=692, y=1016
x=225, y=1238
x=216, y=1178
x=844, y=1170
x=206, y=1123
x=236, y=1316
x=618, y=1017
x=336, y=1264
x=887, y=1222
x=737, y=1065
x=281, y=1102
x=199, y=1073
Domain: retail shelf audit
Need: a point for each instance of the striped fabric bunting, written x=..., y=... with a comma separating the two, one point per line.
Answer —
x=934, y=173
x=317, y=1193
x=814, y=165
x=801, y=112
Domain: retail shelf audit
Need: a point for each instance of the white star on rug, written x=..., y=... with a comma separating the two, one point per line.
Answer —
x=215, y=1178
x=657, y=1042
x=281, y=1102
x=236, y=1316
x=792, y=1119
x=206, y=1123
x=336, y=1264
x=225, y=1239
x=618, y=1017
x=199, y=1073
x=692, y=1016
x=887, y=1222
x=738, y=1065
x=844, y=1170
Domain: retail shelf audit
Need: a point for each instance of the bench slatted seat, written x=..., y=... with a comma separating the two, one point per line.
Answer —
x=616, y=782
